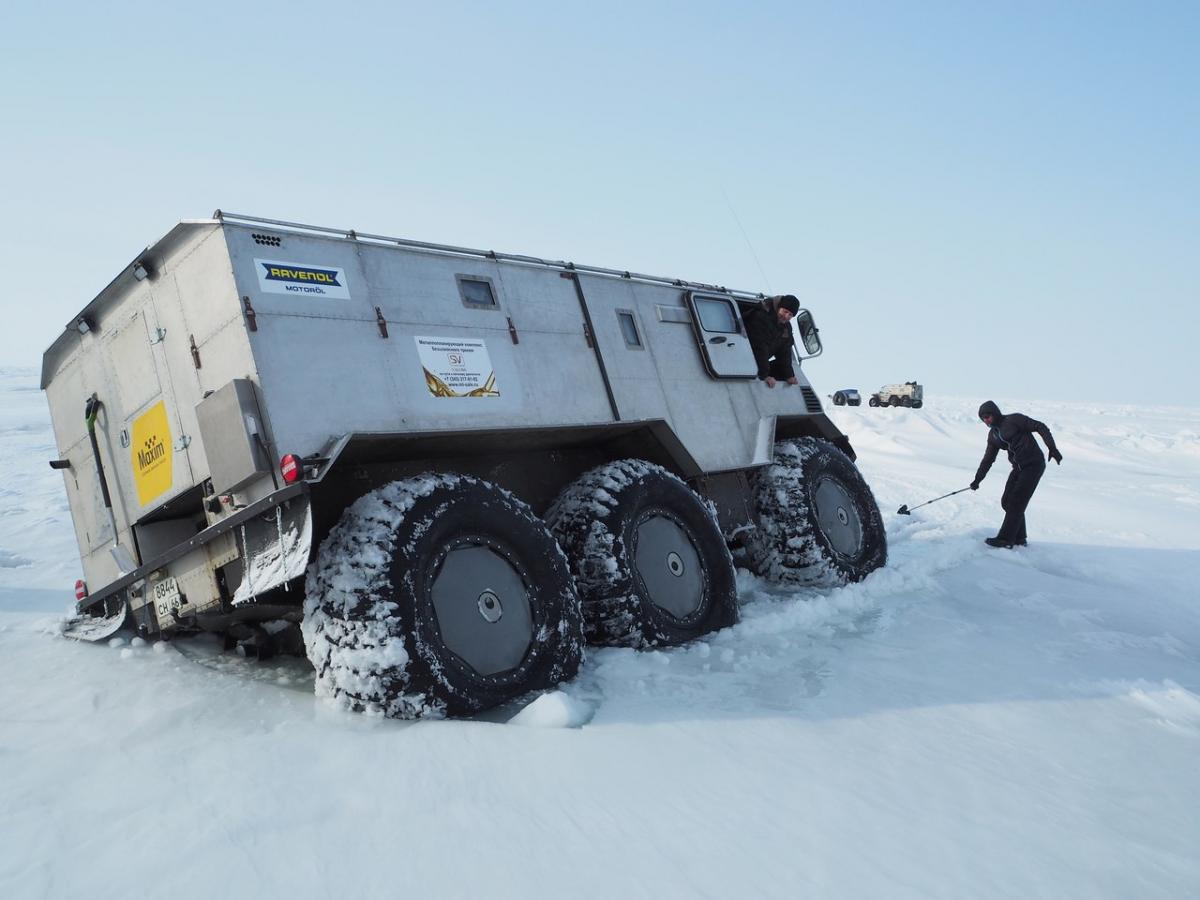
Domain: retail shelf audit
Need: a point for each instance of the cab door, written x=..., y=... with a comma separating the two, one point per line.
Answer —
x=722, y=336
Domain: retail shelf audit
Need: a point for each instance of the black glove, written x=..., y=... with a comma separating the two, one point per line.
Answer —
x=974, y=485
x=1054, y=455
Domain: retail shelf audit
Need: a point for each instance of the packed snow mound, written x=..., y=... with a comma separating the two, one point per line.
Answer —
x=556, y=709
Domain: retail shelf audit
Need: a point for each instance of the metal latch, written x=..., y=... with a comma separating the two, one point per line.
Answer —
x=183, y=443
x=251, y=320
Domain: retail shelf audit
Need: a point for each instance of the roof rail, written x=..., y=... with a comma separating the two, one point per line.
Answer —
x=355, y=235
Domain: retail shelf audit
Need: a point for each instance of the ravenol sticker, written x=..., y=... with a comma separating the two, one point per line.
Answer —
x=150, y=453
x=301, y=279
x=457, y=367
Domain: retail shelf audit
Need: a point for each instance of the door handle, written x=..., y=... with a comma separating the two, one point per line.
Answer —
x=719, y=339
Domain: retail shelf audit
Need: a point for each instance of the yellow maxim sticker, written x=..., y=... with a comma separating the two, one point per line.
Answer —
x=150, y=451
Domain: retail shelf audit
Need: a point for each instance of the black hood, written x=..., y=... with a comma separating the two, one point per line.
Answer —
x=989, y=408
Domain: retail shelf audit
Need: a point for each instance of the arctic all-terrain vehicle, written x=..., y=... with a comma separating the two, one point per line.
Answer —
x=909, y=394
x=436, y=471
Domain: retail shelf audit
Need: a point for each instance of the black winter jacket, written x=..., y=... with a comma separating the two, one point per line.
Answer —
x=1013, y=433
x=768, y=338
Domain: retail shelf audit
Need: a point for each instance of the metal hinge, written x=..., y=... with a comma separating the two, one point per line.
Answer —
x=512, y=331
x=195, y=351
x=381, y=322
x=160, y=335
x=251, y=320
x=183, y=443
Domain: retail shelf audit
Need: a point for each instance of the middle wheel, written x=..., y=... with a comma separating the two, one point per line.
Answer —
x=649, y=560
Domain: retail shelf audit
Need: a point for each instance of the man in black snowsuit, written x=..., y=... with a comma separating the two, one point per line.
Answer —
x=1014, y=433
x=769, y=328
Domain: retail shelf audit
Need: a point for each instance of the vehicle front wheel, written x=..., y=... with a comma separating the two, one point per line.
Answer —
x=440, y=595
x=817, y=520
x=874, y=401
x=649, y=560
x=839, y=399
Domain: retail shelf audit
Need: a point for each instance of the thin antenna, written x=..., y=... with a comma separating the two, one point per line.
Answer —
x=757, y=262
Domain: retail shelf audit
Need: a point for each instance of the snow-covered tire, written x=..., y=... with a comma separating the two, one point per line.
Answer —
x=817, y=521
x=440, y=595
x=649, y=560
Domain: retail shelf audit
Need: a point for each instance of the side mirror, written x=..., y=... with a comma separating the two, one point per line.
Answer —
x=809, y=333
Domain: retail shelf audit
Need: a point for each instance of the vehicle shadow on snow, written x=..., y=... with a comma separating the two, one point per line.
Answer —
x=959, y=624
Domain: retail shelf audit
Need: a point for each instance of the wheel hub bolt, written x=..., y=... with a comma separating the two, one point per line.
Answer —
x=489, y=606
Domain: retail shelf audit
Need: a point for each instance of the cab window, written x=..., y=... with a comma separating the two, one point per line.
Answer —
x=717, y=316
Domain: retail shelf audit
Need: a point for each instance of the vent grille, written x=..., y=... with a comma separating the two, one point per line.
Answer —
x=810, y=399
x=267, y=240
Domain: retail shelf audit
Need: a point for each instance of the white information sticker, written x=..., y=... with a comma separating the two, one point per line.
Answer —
x=301, y=279
x=457, y=367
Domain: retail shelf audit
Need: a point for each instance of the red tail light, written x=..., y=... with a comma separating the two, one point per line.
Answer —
x=80, y=590
x=291, y=468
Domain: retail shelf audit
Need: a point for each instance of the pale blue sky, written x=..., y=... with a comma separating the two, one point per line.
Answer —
x=996, y=199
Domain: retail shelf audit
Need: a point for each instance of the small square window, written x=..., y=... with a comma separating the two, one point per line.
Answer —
x=476, y=291
x=629, y=328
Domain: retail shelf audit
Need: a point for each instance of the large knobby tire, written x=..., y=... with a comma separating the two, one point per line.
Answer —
x=893, y=400
x=440, y=595
x=818, y=523
x=874, y=401
x=839, y=399
x=649, y=560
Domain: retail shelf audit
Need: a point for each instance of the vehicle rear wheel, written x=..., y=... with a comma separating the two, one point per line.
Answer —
x=893, y=400
x=649, y=560
x=440, y=595
x=917, y=404
x=908, y=402
x=818, y=522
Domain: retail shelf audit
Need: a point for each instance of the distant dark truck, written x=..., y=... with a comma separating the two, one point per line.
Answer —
x=445, y=469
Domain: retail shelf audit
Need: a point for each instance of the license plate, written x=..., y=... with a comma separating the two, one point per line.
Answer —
x=167, y=598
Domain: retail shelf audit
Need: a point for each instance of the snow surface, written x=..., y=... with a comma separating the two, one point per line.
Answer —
x=965, y=723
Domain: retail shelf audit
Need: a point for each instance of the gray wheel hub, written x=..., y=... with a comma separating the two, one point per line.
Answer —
x=669, y=566
x=482, y=608
x=837, y=517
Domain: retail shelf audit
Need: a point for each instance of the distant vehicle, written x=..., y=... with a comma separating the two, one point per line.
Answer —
x=847, y=397
x=909, y=394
